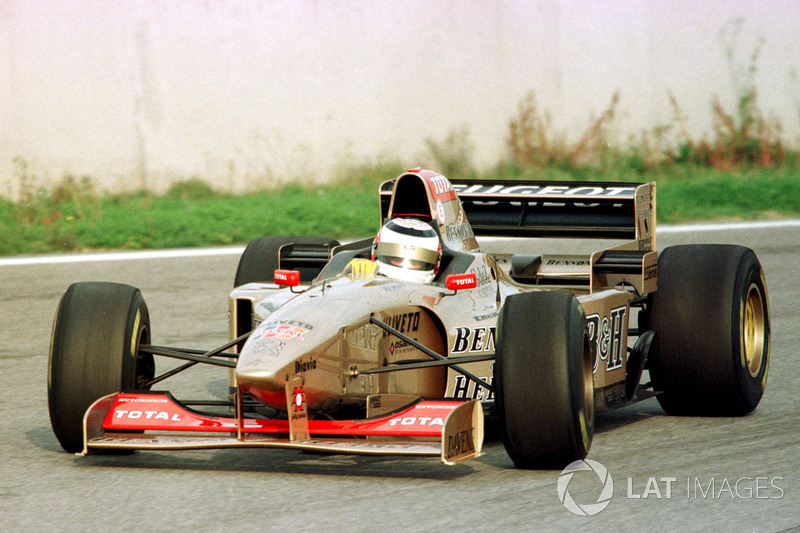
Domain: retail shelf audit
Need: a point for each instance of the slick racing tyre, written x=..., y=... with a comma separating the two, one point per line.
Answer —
x=710, y=353
x=94, y=351
x=260, y=259
x=544, y=386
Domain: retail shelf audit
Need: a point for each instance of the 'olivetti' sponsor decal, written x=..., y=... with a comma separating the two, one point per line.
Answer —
x=404, y=323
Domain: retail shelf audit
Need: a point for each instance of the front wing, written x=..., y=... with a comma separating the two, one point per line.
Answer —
x=451, y=429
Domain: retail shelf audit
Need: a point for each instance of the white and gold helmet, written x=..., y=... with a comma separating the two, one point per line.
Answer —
x=407, y=249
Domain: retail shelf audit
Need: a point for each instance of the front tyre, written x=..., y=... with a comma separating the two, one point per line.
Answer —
x=710, y=353
x=544, y=386
x=94, y=351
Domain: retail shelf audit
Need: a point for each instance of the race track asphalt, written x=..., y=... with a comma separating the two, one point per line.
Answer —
x=669, y=474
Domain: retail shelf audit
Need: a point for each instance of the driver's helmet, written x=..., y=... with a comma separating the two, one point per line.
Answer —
x=407, y=249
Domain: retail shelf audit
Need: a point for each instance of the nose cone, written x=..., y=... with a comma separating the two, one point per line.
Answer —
x=270, y=350
x=278, y=351
x=289, y=342
x=269, y=358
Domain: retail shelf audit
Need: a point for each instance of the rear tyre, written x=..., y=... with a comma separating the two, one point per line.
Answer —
x=260, y=259
x=544, y=386
x=710, y=353
x=94, y=351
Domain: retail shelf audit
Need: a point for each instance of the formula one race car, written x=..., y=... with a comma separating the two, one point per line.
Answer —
x=397, y=344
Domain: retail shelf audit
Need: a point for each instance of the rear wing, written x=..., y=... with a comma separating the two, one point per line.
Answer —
x=594, y=210
x=519, y=208
x=553, y=209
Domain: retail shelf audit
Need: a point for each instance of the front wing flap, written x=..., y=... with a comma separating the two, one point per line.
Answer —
x=451, y=429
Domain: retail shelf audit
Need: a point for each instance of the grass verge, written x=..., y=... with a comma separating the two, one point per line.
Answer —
x=192, y=214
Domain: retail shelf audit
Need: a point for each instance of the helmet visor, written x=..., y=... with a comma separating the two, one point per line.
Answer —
x=409, y=257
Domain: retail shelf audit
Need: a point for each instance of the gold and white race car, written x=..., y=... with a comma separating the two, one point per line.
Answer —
x=540, y=303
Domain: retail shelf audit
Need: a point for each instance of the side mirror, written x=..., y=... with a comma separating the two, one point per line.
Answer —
x=461, y=281
x=287, y=278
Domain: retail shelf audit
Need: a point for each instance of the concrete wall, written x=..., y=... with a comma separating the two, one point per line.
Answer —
x=242, y=93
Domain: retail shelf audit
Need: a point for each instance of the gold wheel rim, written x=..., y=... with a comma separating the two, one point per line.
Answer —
x=753, y=330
